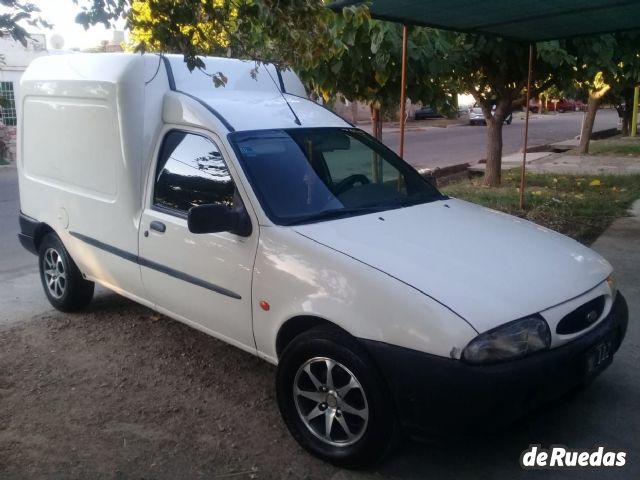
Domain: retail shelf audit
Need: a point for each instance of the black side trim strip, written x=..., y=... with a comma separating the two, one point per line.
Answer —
x=187, y=278
x=167, y=67
x=107, y=248
x=155, y=266
x=211, y=109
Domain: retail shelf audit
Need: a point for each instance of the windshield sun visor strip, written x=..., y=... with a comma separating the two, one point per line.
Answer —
x=211, y=110
x=169, y=70
x=173, y=88
x=143, y=262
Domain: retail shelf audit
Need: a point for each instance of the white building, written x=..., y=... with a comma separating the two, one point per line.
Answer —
x=14, y=59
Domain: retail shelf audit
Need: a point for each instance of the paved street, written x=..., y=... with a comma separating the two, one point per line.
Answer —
x=439, y=147
x=20, y=295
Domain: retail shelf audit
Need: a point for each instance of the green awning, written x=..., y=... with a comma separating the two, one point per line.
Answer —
x=523, y=20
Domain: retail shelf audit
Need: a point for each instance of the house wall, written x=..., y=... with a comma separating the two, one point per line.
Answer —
x=15, y=60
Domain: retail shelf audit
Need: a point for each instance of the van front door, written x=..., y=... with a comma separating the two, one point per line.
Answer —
x=203, y=280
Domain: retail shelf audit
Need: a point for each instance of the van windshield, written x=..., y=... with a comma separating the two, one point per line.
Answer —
x=314, y=174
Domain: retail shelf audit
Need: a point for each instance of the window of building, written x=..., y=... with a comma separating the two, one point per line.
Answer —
x=7, y=104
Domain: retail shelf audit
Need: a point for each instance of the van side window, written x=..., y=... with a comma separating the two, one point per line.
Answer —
x=191, y=172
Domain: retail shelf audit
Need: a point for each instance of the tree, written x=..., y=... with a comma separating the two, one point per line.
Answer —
x=495, y=72
x=276, y=31
x=16, y=12
x=595, y=56
x=607, y=65
x=367, y=66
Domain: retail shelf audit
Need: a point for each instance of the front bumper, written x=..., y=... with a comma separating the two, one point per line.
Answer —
x=436, y=395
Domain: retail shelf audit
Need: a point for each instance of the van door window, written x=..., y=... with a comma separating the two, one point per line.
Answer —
x=191, y=172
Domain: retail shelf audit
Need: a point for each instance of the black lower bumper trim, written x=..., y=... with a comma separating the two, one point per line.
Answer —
x=27, y=235
x=436, y=395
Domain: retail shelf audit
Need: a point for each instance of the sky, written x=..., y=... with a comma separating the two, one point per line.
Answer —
x=62, y=13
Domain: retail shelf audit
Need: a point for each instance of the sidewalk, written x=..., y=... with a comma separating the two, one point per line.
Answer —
x=560, y=163
x=585, y=165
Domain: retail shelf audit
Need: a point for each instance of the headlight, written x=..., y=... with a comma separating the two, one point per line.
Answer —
x=509, y=341
x=613, y=285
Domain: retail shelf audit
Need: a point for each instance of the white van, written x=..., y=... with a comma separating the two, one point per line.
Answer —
x=263, y=219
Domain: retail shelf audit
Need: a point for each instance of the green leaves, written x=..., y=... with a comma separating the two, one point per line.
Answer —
x=377, y=37
x=15, y=11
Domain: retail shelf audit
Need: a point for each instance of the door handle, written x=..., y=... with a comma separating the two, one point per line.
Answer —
x=158, y=226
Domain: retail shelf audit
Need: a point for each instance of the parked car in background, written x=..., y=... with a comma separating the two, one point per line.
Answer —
x=427, y=112
x=562, y=105
x=476, y=117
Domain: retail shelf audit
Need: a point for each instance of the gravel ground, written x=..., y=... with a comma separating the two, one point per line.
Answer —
x=122, y=392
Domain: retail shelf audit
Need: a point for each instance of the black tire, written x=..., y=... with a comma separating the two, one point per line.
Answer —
x=371, y=439
x=62, y=282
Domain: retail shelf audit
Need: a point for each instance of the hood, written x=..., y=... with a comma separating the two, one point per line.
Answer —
x=487, y=266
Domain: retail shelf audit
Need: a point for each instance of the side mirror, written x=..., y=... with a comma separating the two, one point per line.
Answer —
x=215, y=218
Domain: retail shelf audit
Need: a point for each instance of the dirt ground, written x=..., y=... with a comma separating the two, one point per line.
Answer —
x=122, y=392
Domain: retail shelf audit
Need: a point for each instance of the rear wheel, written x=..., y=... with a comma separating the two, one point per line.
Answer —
x=63, y=283
x=333, y=400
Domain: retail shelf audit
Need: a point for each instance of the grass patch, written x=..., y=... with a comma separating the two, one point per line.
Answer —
x=619, y=146
x=581, y=207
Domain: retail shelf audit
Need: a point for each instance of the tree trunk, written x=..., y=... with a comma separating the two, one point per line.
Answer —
x=493, y=170
x=595, y=99
x=495, y=120
x=354, y=112
x=626, y=113
x=376, y=123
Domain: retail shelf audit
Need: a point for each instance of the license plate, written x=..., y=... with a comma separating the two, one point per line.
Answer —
x=599, y=357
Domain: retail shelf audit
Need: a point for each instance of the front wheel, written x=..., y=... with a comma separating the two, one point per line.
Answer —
x=62, y=281
x=333, y=400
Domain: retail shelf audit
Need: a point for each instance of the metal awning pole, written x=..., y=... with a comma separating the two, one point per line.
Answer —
x=526, y=128
x=403, y=89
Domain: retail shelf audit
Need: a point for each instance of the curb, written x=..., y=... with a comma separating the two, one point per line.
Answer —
x=444, y=175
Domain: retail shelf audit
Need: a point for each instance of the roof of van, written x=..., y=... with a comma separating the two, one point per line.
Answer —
x=255, y=95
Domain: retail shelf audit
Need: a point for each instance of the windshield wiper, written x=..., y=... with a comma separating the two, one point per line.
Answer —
x=335, y=213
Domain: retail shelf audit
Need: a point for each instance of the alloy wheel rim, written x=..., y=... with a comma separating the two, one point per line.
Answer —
x=331, y=402
x=55, y=273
